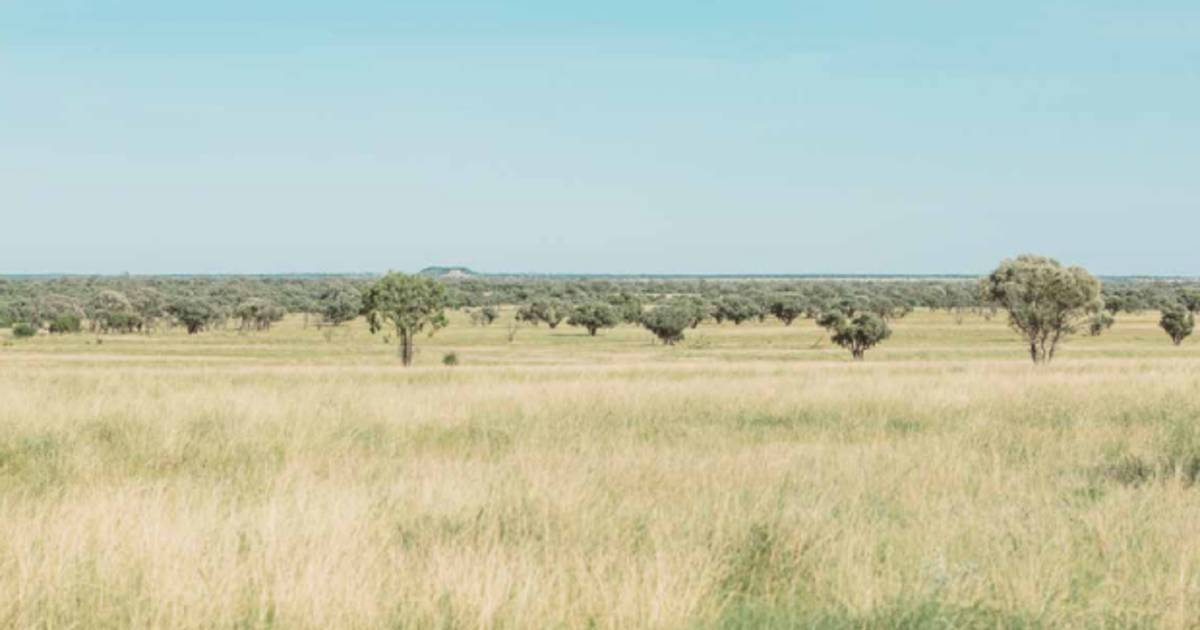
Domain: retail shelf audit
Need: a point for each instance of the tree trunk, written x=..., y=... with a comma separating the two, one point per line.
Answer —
x=406, y=348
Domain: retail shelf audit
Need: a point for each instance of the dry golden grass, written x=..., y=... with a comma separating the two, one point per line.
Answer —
x=745, y=479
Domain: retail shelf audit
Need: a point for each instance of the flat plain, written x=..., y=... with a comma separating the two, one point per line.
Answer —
x=752, y=476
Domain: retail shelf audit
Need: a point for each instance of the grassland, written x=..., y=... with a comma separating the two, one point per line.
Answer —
x=751, y=477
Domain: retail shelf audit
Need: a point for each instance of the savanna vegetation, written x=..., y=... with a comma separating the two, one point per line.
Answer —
x=253, y=452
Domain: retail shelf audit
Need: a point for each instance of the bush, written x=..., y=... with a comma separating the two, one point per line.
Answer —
x=668, y=322
x=23, y=330
x=594, y=316
x=450, y=359
x=1178, y=322
x=65, y=323
x=1099, y=322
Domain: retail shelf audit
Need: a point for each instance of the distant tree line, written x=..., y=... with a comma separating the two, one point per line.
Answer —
x=1043, y=300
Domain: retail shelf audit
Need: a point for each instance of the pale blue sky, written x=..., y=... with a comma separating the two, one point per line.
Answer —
x=620, y=136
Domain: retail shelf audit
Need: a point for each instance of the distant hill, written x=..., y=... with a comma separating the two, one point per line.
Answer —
x=448, y=272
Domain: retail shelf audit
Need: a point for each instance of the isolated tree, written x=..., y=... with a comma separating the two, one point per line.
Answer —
x=1099, y=322
x=857, y=333
x=787, y=308
x=339, y=304
x=409, y=304
x=594, y=316
x=193, y=313
x=1178, y=322
x=668, y=322
x=1045, y=301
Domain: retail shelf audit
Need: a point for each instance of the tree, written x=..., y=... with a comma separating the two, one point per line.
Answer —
x=258, y=313
x=484, y=315
x=1100, y=322
x=1190, y=299
x=594, y=316
x=737, y=309
x=552, y=312
x=65, y=323
x=628, y=306
x=1045, y=301
x=339, y=304
x=113, y=311
x=149, y=304
x=787, y=308
x=1178, y=322
x=696, y=307
x=409, y=304
x=857, y=333
x=668, y=322
x=194, y=313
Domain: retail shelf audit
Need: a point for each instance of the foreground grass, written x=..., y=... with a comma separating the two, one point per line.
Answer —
x=748, y=479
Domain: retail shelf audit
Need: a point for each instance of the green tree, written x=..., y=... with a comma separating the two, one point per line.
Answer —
x=340, y=304
x=787, y=308
x=484, y=315
x=737, y=309
x=65, y=323
x=1099, y=322
x=150, y=305
x=550, y=311
x=1190, y=298
x=1178, y=322
x=258, y=313
x=629, y=307
x=112, y=311
x=594, y=316
x=669, y=321
x=858, y=333
x=408, y=304
x=193, y=313
x=1045, y=301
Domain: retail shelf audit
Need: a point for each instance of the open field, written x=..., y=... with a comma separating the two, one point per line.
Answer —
x=750, y=477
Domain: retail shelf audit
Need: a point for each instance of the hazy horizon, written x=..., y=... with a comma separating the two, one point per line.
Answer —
x=538, y=137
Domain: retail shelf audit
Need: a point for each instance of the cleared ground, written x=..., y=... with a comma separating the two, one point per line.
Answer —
x=750, y=477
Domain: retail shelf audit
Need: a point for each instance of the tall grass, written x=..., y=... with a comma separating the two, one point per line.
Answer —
x=283, y=480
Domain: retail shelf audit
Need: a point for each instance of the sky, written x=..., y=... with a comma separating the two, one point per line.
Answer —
x=143, y=136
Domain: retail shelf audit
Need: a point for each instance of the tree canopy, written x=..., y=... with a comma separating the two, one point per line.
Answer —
x=408, y=304
x=1045, y=301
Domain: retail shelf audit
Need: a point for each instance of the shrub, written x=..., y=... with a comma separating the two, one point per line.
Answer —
x=484, y=315
x=858, y=333
x=450, y=359
x=340, y=304
x=595, y=316
x=668, y=322
x=1100, y=322
x=1178, y=322
x=23, y=330
x=65, y=323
